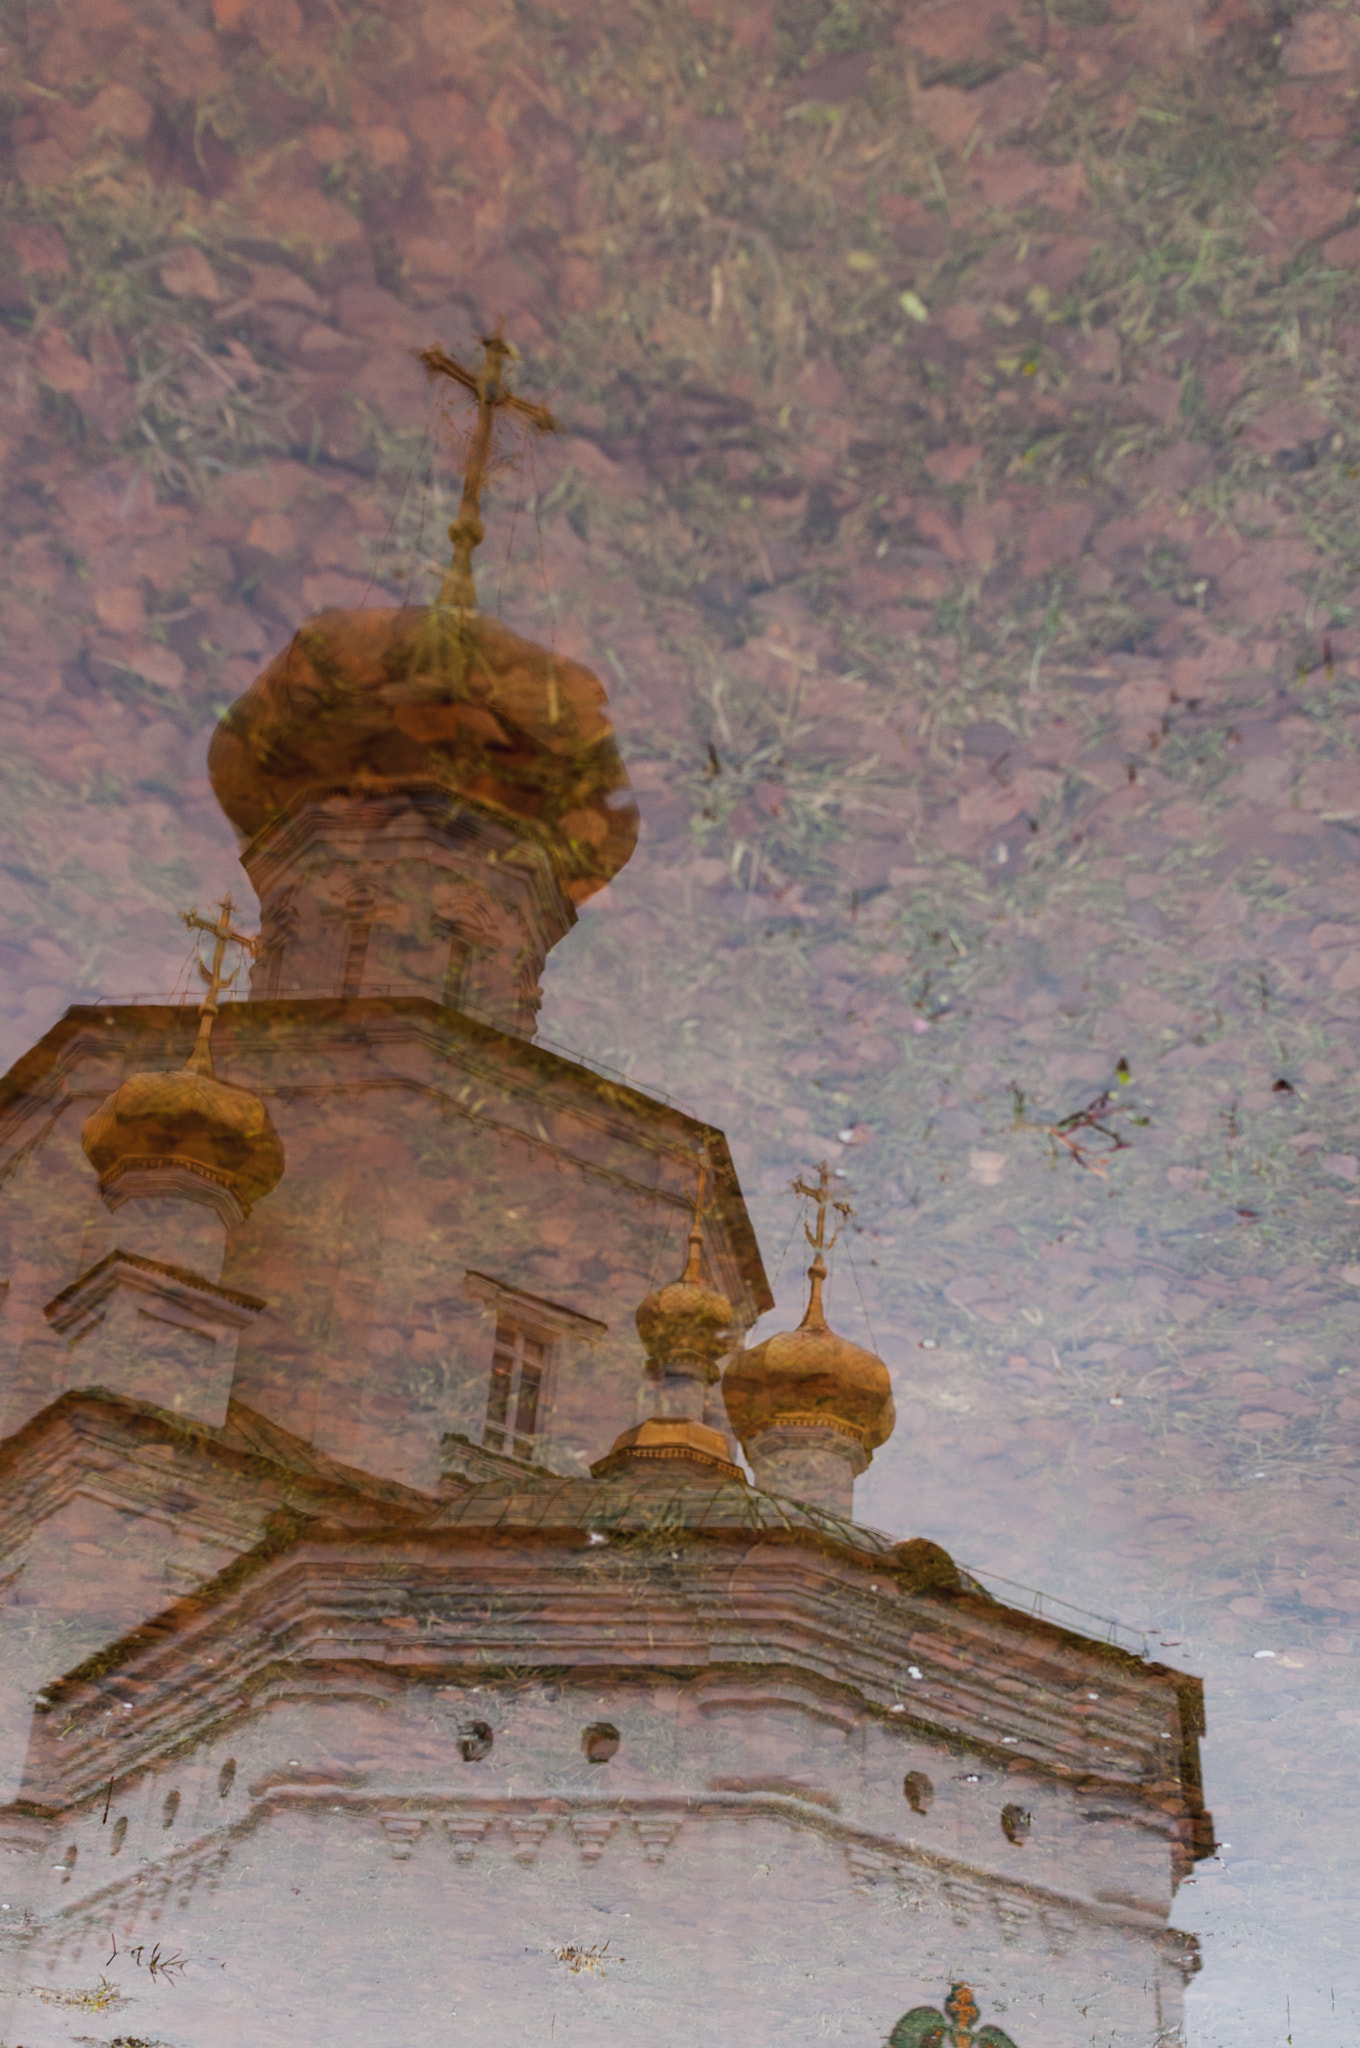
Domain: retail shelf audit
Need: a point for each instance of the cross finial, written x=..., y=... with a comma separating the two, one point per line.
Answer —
x=222, y=934
x=491, y=392
x=815, y=1318
x=694, y=1271
x=821, y=1195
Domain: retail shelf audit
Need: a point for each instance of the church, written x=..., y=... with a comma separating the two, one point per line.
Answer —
x=424, y=1616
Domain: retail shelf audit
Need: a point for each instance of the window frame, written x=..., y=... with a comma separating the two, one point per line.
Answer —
x=517, y=1441
x=546, y=1323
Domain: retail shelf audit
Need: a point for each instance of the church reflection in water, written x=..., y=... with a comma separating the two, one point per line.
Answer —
x=394, y=1648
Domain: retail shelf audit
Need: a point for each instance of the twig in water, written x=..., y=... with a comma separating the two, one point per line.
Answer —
x=1077, y=1134
x=156, y=1961
x=578, y=1959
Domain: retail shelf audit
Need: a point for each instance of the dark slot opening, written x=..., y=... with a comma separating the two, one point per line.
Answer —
x=600, y=1741
x=355, y=956
x=1016, y=1823
x=919, y=1791
x=475, y=1742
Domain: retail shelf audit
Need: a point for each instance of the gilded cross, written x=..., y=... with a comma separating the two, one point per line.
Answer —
x=222, y=933
x=492, y=394
x=822, y=1196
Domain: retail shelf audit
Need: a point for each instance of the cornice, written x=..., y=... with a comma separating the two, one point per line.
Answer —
x=475, y=1831
x=109, y=1446
x=336, y=1608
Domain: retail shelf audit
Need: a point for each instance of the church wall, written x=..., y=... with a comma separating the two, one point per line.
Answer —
x=512, y=1754
x=88, y=1572
x=1106, y=1845
x=372, y=1347
x=465, y=1750
x=52, y=1226
x=420, y=1150
x=725, y=1918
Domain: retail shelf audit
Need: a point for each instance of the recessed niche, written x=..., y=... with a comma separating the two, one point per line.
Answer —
x=119, y=1835
x=226, y=1777
x=170, y=1809
x=919, y=1791
x=600, y=1741
x=1016, y=1822
x=475, y=1742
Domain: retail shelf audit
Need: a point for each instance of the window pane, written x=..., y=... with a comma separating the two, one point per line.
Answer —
x=499, y=1390
x=526, y=1411
x=517, y=1368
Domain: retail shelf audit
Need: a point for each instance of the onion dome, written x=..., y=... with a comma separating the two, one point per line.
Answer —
x=810, y=1378
x=686, y=1328
x=688, y=1323
x=209, y=1129
x=401, y=698
x=441, y=697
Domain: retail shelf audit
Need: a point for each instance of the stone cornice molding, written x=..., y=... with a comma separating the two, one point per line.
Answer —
x=179, y=1295
x=111, y=1447
x=735, y=1604
x=468, y=1830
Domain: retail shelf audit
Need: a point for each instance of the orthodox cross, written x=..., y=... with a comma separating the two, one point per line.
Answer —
x=821, y=1195
x=492, y=394
x=222, y=934
x=925, y=2026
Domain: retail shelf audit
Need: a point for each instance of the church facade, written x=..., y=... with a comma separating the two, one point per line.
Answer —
x=423, y=1616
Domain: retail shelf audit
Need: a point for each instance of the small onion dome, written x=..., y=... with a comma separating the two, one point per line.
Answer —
x=689, y=1321
x=810, y=1378
x=189, y=1119
x=433, y=696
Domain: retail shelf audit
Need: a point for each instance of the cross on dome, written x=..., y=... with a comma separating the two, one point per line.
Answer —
x=809, y=1407
x=820, y=1193
x=822, y=1196
x=188, y=1122
x=222, y=933
x=492, y=394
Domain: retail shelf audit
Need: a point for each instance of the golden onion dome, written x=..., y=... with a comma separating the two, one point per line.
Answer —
x=437, y=696
x=810, y=1378
x=688, y=1319
x=187, y=1119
